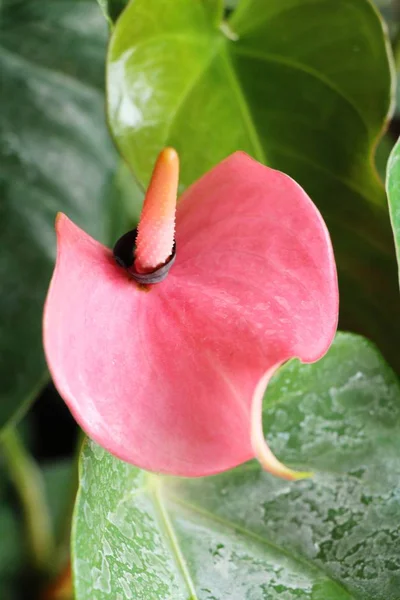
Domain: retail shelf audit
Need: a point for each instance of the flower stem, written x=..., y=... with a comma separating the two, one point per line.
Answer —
x=29, y=485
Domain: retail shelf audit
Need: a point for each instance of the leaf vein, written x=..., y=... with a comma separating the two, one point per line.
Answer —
x=256, y=537
x=155, y=493
x=281, y=60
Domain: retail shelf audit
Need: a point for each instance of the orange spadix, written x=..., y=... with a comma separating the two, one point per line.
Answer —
x=156, y=230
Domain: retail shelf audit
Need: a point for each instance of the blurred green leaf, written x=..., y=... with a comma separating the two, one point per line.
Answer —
x=55, y=155
x=246, y=534
x=14, y=567
x=59, y=483
x=12, y=552
x=383, y=151
x=289, y=82
x=112, y=8
x=393, y=191
x=127, y=199
x=390, y=10
x=396, y=48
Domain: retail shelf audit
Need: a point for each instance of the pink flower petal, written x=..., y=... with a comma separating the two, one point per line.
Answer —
x=165, y=377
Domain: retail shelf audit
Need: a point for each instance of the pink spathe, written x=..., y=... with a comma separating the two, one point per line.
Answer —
x=171, y=377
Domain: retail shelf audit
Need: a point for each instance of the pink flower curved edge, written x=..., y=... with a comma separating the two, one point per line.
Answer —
x=171, y=378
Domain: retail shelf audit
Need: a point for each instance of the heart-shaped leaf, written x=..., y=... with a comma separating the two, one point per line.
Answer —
x=55, y=155
x=244, y=534
x=289, y=82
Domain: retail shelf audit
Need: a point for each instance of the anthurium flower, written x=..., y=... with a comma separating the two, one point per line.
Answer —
x=162, y=354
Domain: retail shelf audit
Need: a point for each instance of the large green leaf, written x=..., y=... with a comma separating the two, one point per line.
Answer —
x=245, y=534
x=393, y=191
x=302, y=86
x=55, y=154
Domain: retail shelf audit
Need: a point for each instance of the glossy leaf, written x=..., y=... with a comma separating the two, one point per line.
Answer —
x=393, y=191
x=55, y=155
x=289, y=82
x=245, y=534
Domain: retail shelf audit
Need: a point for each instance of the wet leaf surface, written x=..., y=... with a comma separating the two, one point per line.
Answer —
x=244, y=534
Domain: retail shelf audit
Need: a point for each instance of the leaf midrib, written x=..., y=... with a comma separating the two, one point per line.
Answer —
x=157, y=493
x=154, y=492
x=256, y=537
x=222, y=52
x=247, y=117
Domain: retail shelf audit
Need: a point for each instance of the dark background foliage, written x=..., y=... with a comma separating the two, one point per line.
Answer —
x=56, y=152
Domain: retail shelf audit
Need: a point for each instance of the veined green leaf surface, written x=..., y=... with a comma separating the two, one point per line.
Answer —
x=244, y=534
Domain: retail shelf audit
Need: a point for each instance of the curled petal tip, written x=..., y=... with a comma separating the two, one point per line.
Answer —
x=262, y=452
x=297, y=475
x=270, y=463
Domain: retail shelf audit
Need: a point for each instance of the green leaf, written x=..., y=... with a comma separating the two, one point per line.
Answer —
x=55, y=154
x=289, y=82
x=60, y=481
x=112, y=8
x=60, y=484
x=245, y=534
x=383, y=151
x=390, y=11
x=396, y=50
x=393, y=192
x=127, y=198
